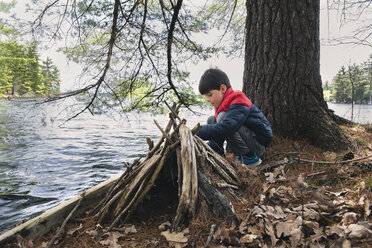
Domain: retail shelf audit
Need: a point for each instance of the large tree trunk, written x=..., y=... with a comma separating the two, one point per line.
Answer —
x=281, y=72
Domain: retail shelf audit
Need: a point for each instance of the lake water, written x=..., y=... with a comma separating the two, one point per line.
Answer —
x=44, y=162
x=362, y=113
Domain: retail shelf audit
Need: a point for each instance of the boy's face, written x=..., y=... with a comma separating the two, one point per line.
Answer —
x=215, y=97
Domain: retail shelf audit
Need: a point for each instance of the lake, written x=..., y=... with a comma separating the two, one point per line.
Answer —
x=44, y=161
x=362, y=113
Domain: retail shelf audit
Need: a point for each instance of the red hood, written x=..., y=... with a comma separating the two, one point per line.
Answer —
x=232, y=97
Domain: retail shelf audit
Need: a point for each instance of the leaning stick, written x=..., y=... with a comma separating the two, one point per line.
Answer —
x=173, y=111
x=163, y=132
x=55, y=237
x=150, y=153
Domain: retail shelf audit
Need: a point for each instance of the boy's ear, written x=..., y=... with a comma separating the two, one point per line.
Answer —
x=223, y=88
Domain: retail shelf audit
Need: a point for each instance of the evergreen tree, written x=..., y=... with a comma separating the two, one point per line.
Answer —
x=357, y=77
x=21, y=72
x=341, y=87
x=51, y=77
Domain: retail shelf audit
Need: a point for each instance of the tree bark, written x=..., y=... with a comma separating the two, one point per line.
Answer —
x=282, y=71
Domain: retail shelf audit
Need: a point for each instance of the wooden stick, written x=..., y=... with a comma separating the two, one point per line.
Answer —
x=173, y=111
x=329, y=162
x=189, y=193
x=210, y=236
x=143, y=173
x=55, y=237
x=105, y=209
x=163, y=132
x=169, y=125
x=150, y=183
x=226, y=185
x=195, y=129
x=128, y=207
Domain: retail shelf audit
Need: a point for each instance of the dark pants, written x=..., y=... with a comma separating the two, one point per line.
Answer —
x=242, y=141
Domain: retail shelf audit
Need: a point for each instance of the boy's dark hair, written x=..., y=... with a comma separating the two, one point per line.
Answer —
x=212, y=80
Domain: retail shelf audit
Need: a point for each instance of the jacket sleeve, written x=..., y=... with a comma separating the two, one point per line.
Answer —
x=233, y=120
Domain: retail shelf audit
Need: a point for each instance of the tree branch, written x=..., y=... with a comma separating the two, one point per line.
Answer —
x=108, y=60
x=169, y=49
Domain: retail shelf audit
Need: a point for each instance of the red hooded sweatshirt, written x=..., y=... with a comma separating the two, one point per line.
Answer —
x=232, y=97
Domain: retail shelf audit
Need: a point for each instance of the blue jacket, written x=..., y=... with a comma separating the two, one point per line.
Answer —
x=236, y=116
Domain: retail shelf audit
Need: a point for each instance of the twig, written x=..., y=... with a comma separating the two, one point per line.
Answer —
x=169, y=125
x=227, y=185
x=172, y=111
x=291, y=160
x=210, y=236
x=65, y=222
x=316, y=173
x=196, y=129
x=163, y=132
x=328, y=162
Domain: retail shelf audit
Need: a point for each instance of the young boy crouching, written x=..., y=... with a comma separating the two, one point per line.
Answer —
x=236, y=120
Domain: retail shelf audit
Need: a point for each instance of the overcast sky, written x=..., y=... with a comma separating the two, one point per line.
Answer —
x=331, y=57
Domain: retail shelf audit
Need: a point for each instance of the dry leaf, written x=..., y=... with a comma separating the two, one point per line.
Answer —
x=72, y=231
x=274, y=213
x=92, y=232
x=112, y=240
x=270, y=177
x=269, y=229
x=23, y=243
x=258, y=212
x=295, y=237
x=165, y=226
x=316, y=238
x=366, y=210
x=131, y=229
x=312, y=225
x=330, y=230
x=349, y=218
x=243, y=227
x=284, y=228
x=248, y=238
x=361, y=200
x=177, y=240
x=356, y=231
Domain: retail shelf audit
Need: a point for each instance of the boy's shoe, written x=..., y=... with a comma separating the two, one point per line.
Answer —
x=249, y=161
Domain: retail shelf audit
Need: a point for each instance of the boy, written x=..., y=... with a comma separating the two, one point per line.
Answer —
x=236, y=120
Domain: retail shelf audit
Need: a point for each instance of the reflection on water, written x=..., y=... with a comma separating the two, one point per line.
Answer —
x=362, y=112
x=43, y=163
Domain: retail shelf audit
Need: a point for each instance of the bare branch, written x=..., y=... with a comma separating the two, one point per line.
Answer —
x=229, y=23
x=108, y=60
x=40, y=17
x=169, y=49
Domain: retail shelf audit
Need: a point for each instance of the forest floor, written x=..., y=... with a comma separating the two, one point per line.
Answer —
x=307, y=204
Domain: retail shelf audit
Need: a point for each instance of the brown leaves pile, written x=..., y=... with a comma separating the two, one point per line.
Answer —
x=291, y=214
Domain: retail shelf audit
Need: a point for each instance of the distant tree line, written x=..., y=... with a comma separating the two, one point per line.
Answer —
x=351, y=84
x=21, y=71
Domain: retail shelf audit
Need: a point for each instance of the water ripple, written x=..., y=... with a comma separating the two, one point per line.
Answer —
x=43, y=163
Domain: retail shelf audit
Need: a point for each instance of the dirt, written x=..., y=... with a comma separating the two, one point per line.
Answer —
x=331, y=192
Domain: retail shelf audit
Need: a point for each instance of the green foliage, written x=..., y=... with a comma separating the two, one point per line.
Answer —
x=5, y=28
x=138, y=75
x=223, y=14
x=357, y=76
x=50, y=77
x=21, y=72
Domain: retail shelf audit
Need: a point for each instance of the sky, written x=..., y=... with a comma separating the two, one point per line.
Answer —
x=332, y=58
